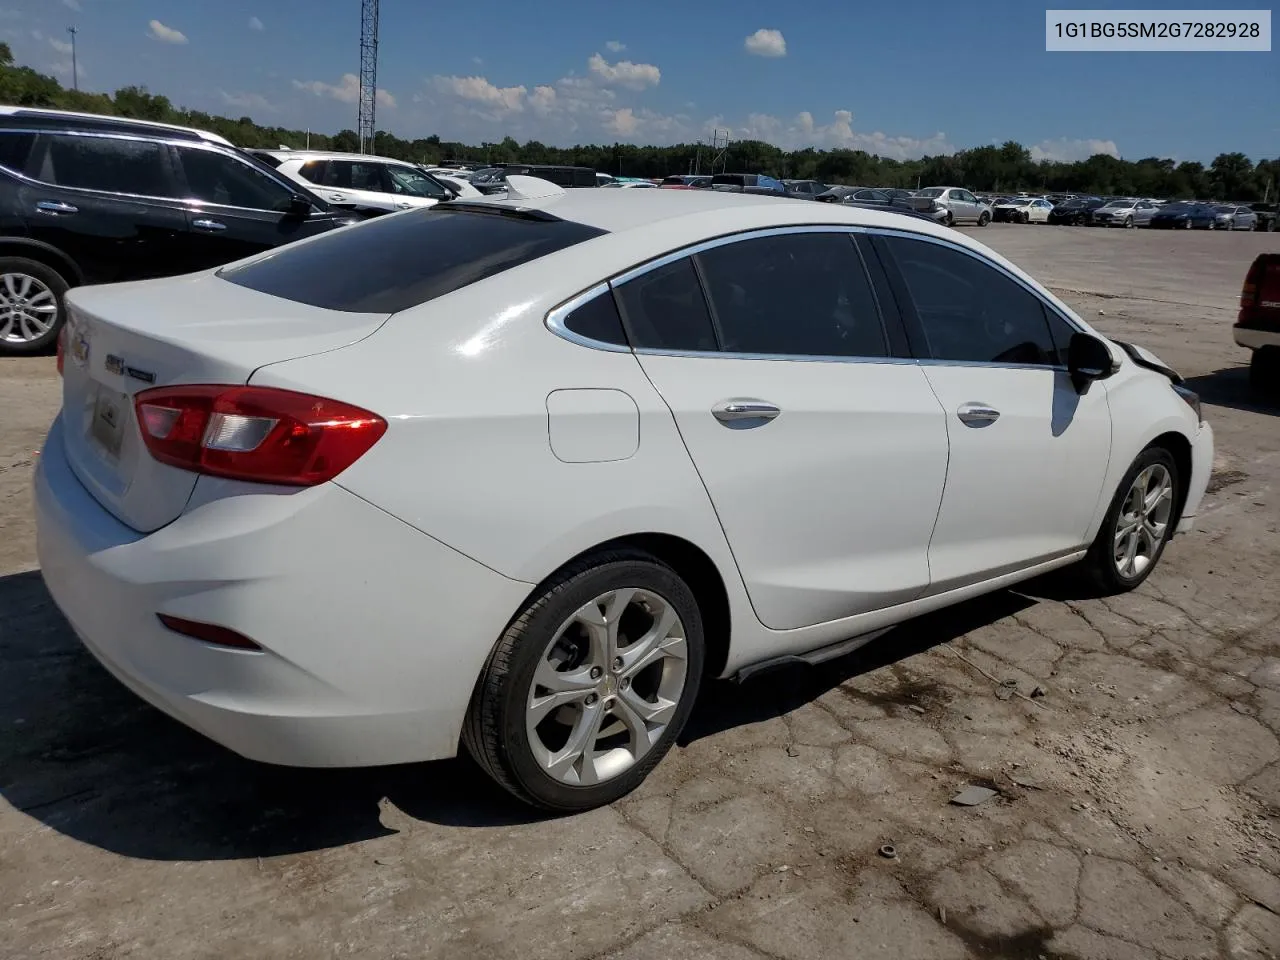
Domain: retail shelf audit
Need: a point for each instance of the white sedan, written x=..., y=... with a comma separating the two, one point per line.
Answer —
x=1023, y=210
x=524, y=473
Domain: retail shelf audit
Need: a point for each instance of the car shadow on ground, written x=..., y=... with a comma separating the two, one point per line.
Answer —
x=82, y=755
x=1229, y=387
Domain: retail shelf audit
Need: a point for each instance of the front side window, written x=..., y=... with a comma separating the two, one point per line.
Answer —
x=970, y=311
x=110, y=164
x=802, y=294
x=394, y=263
x=666, y=310
x=215, y=177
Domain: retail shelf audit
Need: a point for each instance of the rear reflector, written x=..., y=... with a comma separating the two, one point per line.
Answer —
x=208, y=632
x=258, y=434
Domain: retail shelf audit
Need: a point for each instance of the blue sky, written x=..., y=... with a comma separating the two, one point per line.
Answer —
x=901, y=79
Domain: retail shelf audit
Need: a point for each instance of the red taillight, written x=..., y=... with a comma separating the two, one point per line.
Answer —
x=1260, y=294
x=208, y=632
x=62, y=347
x=255, y=433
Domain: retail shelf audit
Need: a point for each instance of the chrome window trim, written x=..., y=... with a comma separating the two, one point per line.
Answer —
x=555, y=321
x=555, y=318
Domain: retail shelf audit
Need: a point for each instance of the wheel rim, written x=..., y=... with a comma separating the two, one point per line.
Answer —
x=607, y=686
x=28, y=308
x=1143, y=521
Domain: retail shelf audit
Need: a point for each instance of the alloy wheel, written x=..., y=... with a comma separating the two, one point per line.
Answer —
x=1143, y=522
x=28, y=308
x=607, y=686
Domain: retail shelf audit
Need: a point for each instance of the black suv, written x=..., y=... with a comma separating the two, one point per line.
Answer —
x=92, y=199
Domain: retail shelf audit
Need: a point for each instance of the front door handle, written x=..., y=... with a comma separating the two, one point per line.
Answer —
x=55, y=207
x=975, y=414
x=214, y=225
x=739, y=411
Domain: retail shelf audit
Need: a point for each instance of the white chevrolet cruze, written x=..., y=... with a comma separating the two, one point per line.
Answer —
x=523, y=473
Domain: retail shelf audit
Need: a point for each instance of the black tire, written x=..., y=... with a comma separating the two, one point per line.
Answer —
x=1128, y=223
x=984, y=218
x=57, y=285
x=1264, y=373
x=1186, y=224
x=951, y=220
x=495, y=731
x=1099, y=565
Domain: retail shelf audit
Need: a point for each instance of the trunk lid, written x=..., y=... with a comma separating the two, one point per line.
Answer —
x=923, y=204
x=125, y=338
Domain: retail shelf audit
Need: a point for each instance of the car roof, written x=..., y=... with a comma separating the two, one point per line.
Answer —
x=331, y=155
x=105, y=122
x=703, y=214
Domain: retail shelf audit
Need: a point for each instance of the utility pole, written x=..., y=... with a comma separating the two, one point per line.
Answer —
x=75, y=72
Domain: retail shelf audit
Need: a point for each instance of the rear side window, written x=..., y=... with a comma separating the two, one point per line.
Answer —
x=394, y=263
x=665, y=309
x=15, y=149
x=598, y=319
x=803, y=294
x=313, y=171
x=109, y=164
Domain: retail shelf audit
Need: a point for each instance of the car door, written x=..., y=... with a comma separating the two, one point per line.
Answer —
x=1042, y=208
x=1143, y=212
x=1028, y=453
x=823, y=454
x=108, y=202
x=235, y=209
x=969, y=206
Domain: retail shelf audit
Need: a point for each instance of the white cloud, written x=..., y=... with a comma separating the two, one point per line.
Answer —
x=623, y=123
x=61, y=46
x=247, y=101
x=624, y=73
x=478, y=61
x=1068, y=150
x=543, y=99
x=498, y=100
x=615, y=46
x=346, y=90
x=73, y=5
x=165, y=34
x=804, y=131
x=766, y=43
x=256, y=25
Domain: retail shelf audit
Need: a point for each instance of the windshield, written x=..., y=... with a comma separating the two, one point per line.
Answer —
x=1224, y=208
x=1180, y=208
x=1119, y=204
x=931, y=192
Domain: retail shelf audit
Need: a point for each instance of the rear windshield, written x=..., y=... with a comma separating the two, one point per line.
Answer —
x=397, y=262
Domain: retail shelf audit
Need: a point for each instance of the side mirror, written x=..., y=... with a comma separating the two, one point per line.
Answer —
x=1088, y=359
x=299, y=206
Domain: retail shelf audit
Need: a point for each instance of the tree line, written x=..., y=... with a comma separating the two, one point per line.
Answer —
x=1010, y=167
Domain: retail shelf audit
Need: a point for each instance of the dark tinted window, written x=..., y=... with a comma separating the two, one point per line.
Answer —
x=803, y=294
x=214, y=177
x=106, y=163
x=971, y=311
x=1062, y=333
x=268, y=159
x=355, y=175
x=394, y=263
x=15, y=148
x=665, y=309
x=313, y=171
x=598, y=319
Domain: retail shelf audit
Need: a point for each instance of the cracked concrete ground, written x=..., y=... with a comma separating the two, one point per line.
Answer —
x=1136, y=808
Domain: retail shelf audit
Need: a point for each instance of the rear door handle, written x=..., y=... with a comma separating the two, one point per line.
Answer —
x=55, y=207
x=737, y=411
x=975, y=414
x=214, y=225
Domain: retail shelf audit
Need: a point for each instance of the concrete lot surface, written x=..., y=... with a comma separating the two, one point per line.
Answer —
x=1137, y=804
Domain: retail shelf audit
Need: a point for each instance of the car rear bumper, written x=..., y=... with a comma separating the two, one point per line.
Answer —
x=1201, y=469
x=372, y=633
x=1256, y=339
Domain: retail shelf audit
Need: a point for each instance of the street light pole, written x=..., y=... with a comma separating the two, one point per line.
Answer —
x=75, y=72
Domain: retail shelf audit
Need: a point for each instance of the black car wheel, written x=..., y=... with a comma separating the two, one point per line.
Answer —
x=983, y=219
x=1128, y=223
